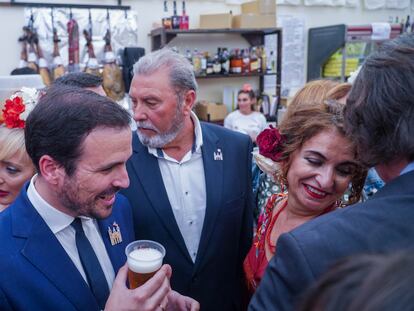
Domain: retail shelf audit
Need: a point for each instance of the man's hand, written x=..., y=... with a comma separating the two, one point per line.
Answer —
x=151, y=296
x=178, y=302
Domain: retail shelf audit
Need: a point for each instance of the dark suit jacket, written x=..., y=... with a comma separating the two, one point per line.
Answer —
x=215, y=277
x=381, y=224
x=35, y=271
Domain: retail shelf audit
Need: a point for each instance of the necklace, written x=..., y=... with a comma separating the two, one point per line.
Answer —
x=271, y=225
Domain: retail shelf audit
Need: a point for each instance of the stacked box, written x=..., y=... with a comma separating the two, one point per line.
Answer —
x=256, y=14
x=215, y=21
x=208, y=111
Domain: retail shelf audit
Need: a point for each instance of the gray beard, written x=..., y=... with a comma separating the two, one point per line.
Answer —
x=159, y=140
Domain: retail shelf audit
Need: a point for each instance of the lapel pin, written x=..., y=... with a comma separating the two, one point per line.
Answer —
x=115, y=234
x=218, y=156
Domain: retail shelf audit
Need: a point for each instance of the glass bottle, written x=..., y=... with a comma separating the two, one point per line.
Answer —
x=166, y=20
x=253, y=61
x=184, y=18
x=175, y=19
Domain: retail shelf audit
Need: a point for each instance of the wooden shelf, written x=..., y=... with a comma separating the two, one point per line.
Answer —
x=254, y=36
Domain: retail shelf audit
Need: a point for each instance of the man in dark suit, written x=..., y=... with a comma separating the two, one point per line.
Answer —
x=380, y=117
x=190, y=183
x=58, y=249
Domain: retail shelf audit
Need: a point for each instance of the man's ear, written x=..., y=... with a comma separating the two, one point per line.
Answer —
x=189, y=101
x=51, y=170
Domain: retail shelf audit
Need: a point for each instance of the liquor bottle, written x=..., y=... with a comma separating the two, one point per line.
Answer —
x=407, y=26
x=184, y=19
x=196, y=62
x=263, y=56
x=166, y=20
x=239, y=62
x=259, y=58
x=175, y=19
x=272, y=62
x=246, y=61
x=209, y=70
x=203, y=58
x=189, y=56
x=253, y=61
x=225, y=62
x=216, y=62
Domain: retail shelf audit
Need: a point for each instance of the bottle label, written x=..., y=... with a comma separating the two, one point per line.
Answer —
x=254, y=65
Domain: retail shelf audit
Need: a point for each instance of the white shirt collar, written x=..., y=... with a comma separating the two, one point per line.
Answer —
x=408, y=168
x=198, y=141
x=55, y=219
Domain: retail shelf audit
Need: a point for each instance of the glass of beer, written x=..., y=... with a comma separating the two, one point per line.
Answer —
x=144, y=259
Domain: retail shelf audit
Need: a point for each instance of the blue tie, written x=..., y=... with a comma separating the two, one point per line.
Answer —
x=93, y=270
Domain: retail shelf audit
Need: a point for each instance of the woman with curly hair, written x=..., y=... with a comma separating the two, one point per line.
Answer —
x=310, y=156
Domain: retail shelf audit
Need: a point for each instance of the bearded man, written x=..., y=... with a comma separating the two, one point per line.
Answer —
x=190, y=184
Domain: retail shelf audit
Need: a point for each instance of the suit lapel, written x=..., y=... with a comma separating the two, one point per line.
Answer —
x=213, y=172
x=148, y=172
x=44, y=251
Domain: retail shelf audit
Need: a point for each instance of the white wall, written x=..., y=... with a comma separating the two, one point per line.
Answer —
x=150, y=12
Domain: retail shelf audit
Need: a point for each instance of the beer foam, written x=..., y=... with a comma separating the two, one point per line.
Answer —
x=145, y=260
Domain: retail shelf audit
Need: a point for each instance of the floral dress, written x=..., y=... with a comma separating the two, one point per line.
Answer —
x=256, y=262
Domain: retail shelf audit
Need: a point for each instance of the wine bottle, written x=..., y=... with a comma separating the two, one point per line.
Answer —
x=166, y=20
x=184, y=19
x=175, y=19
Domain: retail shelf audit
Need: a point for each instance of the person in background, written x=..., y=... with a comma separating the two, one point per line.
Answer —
x=264, y=184
x=190, y=183
x=57, y=253
x=245, y=119
x=83, y=80
x=378, y=116
x=364, y=282
x=15, y=165
x=315, y=162
x=90, y=82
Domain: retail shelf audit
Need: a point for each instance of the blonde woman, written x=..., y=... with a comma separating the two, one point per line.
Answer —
x=15, y=165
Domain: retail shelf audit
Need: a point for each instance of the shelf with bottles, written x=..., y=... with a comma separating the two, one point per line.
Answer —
x=246, y=62
x=335, y=51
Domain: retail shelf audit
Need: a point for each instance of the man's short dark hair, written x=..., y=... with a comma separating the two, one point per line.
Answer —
x=23, y=71
x=379, y=113
x=79, y=79
x=63, y=118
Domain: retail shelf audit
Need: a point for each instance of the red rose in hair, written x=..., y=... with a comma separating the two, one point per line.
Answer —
x=15, y=105
x=11, y=112
x=270, y=143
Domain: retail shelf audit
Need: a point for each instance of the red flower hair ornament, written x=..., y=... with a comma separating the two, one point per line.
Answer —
x=17, y=108
x=270, y=143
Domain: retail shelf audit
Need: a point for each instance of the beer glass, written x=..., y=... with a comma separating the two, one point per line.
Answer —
x=144, y=259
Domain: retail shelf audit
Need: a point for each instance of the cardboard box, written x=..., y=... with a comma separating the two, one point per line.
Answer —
x=259, y=7
x=254, y=21
x=207, y=111
x=215, y=21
